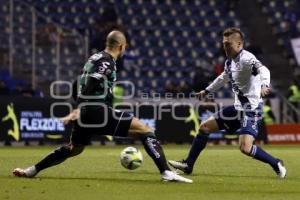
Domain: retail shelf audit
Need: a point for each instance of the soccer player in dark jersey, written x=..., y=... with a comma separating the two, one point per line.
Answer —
x=98, y=117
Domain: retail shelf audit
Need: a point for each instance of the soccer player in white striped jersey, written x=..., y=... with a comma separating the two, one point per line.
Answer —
x=250, y=81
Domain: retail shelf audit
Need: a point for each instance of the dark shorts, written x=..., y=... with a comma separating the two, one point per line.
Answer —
x=240, y=122
x=100, y=120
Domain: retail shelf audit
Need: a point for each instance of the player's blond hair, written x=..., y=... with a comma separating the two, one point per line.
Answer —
x=232, y=30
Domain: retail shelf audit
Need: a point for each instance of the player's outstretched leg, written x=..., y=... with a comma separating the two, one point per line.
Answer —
x=154, y=150
x=199, y=143
x=54, y=158
x=247, y=147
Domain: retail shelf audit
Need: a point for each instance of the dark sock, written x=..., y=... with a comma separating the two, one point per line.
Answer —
x=199, y=143
x=155, y=151
x=56, y=157
x=259, y=154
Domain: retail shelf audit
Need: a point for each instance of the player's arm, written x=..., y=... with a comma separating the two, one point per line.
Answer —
x=265, y=78
x=214, y=86
x=264, y=74
x=75, y=90
x=93, y=81
x=74, y=115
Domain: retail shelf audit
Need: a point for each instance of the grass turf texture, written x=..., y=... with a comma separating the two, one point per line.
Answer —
x=221, y=173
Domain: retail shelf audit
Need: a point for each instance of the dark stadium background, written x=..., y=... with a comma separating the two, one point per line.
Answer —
x=175, y=48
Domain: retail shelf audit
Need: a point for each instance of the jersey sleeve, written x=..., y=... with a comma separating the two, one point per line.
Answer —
x=265, y=76
x=218, y=82
x=258, y=69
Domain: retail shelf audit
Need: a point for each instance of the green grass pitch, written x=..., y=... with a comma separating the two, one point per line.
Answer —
x=221, y=173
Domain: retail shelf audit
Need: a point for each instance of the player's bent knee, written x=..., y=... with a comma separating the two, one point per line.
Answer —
x=144, y=132
x=137, y=127
x=209, y=126
x=143, y=128
x=204, y=129
x=146, y=129
x=245, y=148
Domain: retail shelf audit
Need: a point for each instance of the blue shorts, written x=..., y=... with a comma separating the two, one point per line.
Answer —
x=240, y=122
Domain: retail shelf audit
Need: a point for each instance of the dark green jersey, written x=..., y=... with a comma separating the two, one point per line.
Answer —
x=97, y=79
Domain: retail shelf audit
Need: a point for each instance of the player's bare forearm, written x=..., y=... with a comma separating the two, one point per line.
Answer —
x=201, y=94
x=74, y=115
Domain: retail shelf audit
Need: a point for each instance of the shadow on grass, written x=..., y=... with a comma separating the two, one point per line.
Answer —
x=136, y=179
x=41, y=178
x=236, y=176
x=271, y=177
x=108, y=179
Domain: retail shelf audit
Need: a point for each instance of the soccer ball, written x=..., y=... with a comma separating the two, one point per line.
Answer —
x=131, y=158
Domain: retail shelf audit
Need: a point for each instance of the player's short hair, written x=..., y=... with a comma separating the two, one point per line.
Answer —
x=115, y=38
x=111, y=42
x=232, y=30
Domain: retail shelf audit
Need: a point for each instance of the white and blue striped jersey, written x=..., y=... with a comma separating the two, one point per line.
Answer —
x=246, y=76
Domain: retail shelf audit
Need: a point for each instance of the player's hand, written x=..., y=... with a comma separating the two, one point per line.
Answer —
x=201, y=94
x=265, y=91
x=66, y=120
x=74, y=115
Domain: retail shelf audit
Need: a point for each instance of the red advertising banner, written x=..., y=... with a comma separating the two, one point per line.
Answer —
x=283, y=133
